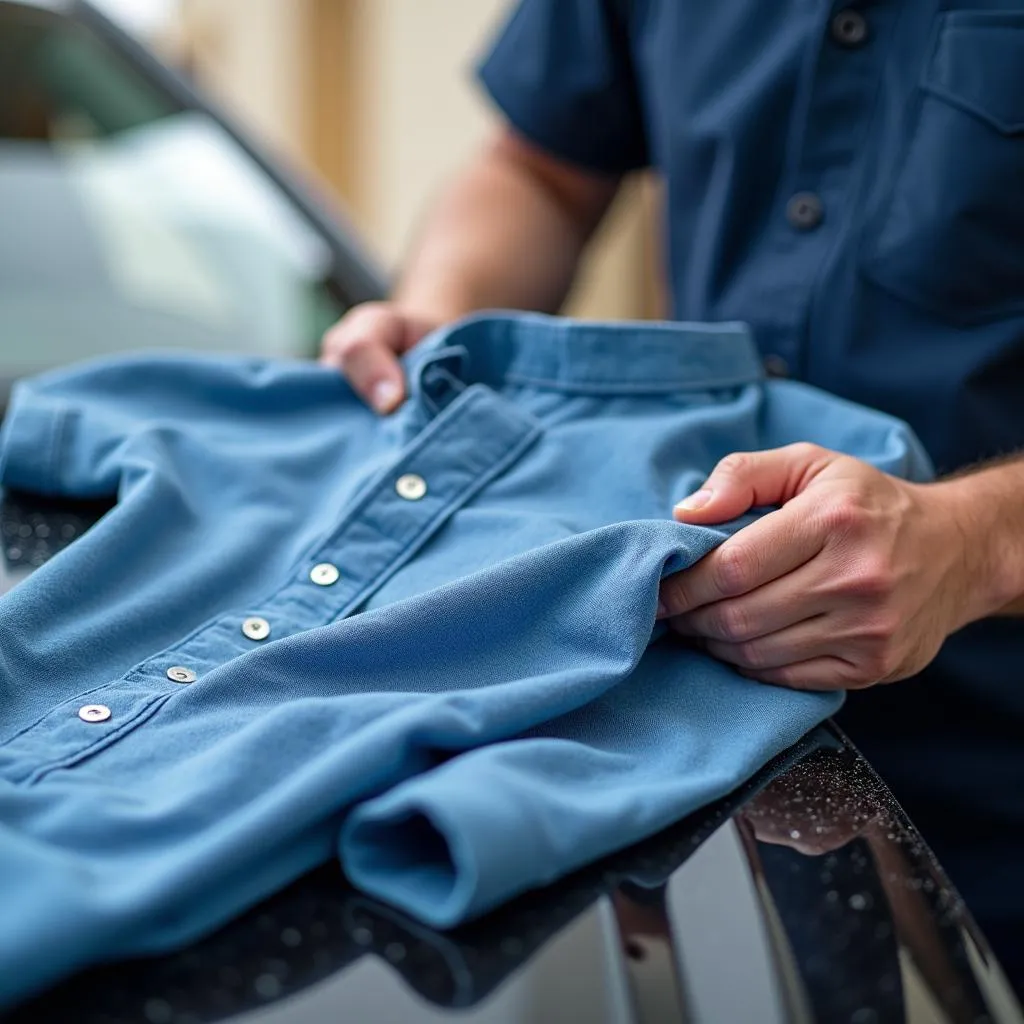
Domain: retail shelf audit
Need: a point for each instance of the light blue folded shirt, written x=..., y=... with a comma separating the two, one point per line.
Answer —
x=425, y=644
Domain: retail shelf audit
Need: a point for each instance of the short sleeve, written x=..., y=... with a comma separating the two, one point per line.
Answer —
x=88, y=430
x=55, y=440
x=795, y=412
x=562, y=72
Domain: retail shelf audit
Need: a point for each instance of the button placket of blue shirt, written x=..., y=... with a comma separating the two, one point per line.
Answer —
x=60, y=738
x=464, y=444
x=469, y=443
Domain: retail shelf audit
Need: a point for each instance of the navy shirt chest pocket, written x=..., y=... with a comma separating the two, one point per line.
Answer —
x=950, y=237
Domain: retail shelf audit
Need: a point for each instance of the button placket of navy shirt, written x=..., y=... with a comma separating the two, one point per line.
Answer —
x=465, y=445
x=836, y=102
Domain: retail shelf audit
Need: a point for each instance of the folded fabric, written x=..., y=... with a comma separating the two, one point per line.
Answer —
x=425, y=642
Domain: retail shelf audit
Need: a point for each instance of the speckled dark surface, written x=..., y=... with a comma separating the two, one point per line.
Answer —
x=34, y=529
x=805, y=896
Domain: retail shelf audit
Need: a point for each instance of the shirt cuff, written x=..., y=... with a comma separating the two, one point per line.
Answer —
x=443, y=861
x=30, y=439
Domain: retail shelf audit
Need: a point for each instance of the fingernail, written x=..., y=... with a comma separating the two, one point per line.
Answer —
x=385, y=395
x=696, y=501
x=662, y=610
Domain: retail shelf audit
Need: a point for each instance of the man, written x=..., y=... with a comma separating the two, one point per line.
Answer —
x=851, y=183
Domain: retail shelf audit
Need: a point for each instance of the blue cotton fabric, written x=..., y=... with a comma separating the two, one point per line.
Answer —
x=480, y=702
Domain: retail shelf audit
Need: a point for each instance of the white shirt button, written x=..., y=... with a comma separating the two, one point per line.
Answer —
x=94, y=713
x=411, y=486
x=180, y=674
x=324, y=574
x=256, y=628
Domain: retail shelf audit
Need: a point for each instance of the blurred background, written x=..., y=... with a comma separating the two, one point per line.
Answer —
x=375, y=100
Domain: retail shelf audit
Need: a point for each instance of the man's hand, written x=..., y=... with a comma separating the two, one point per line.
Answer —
x=857, y=578
x=507, y=233
x=365, y=345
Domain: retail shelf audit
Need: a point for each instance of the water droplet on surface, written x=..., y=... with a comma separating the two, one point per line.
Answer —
x=229, y=976
x=865, y=1015
x=158, y=1011
x=267, y=986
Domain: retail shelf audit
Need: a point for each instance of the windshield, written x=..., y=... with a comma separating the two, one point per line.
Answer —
x=128, y=222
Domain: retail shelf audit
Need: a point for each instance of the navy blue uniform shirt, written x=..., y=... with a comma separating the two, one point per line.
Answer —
x=849, y=181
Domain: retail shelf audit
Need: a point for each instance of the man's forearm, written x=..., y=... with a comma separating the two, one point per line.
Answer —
x=989, y=506
x=507, y=233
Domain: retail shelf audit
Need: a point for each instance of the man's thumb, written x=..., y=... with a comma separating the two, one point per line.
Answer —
x=745, y=479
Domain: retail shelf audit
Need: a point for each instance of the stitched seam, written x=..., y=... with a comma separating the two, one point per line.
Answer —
x=874, y=259
x=858, y=192
x=625, y=388
x=57, y=441
x=138, y=673
x=876, y=229
x=69, y=702
x=146, y=711
x=443, y=514
x=984, y=19
x=969, y=106
x=472, y=399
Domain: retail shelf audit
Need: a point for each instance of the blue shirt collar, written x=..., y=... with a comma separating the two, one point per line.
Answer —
x=582, y=357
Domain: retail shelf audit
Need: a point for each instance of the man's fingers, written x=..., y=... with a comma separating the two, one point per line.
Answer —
x=815, y=674
x=745, y=479
x=775, y=545
x=365, y=346
x=775, y=606
x=800, y=642
x=374, y=372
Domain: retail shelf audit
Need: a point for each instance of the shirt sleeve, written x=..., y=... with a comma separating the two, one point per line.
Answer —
x=59, y=437
x=562, y=73
x=883, y=441
x=79, y=432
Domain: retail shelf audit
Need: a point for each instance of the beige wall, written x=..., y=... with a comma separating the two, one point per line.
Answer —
x=378, y=95
x=422, y=118
x=249, y=55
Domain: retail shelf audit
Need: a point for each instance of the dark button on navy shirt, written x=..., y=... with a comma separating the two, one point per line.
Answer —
x=805, y=211
x=900, y=286
x=849, y=28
